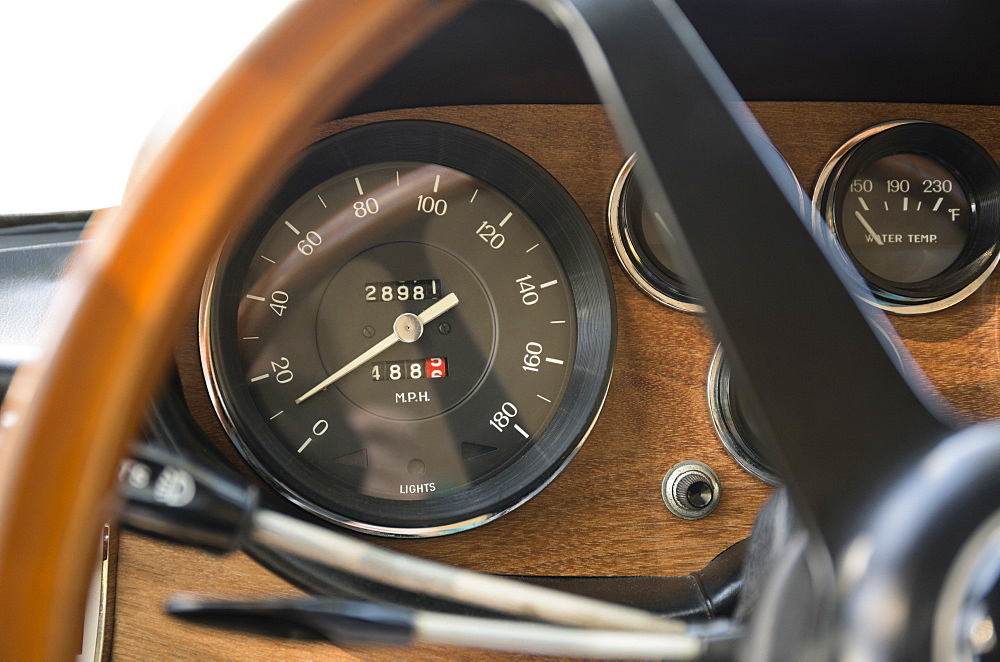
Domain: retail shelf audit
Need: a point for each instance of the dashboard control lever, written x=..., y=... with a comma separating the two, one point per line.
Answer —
x=177, y=500
x=338, y=621
x=168, y=497
x=346, y=621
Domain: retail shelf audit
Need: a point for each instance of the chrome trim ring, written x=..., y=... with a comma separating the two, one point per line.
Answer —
x=966, y=583
x=625, y=249
x=720, y=407
x=680, y=476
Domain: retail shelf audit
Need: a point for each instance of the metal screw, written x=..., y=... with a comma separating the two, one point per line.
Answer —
x=368, y=332
x=444, y=328
x=691, y=489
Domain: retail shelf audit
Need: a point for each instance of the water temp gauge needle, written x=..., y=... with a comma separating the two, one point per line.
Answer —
x=878, y=240
x=407, y=328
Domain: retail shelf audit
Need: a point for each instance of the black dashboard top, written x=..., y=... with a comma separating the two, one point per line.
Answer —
x=773, y=50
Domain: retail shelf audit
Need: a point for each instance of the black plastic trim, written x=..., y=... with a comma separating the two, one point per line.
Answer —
x=934, y=51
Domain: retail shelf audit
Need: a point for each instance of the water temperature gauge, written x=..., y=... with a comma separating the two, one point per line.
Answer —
x=914, y=206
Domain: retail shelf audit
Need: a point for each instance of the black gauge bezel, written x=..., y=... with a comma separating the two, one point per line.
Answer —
x=975, y=171
x=559, y=219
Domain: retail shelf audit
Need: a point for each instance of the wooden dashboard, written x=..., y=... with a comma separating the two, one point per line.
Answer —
x=604, y=514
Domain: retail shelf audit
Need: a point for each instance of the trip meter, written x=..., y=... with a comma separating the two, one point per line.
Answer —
x=416, y=335
x=914, y=206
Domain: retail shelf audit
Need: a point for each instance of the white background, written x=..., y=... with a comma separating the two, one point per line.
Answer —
x=83, y=83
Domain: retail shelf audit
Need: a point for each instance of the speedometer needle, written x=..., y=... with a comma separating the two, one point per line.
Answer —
x=407, y=328
x=878, y=240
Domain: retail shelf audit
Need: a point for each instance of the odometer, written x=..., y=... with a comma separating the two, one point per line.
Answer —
x=416, y=335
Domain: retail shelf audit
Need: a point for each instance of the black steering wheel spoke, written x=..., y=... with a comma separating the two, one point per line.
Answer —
x=842, y=417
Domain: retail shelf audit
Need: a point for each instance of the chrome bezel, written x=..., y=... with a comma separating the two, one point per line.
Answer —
x=824, y=228
x=977, y=555
x=721, y=410
x=625, y=249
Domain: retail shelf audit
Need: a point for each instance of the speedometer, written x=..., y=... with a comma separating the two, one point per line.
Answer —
x=417, y=333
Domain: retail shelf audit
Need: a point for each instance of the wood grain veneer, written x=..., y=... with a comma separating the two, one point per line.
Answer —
x=603, y=515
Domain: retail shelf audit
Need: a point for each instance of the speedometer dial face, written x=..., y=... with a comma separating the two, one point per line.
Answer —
x=417, y=334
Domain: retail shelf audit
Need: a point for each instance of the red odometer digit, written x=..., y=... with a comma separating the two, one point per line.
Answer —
x=435, y=368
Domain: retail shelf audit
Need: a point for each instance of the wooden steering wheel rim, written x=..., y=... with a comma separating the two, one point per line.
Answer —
x=67, y=416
